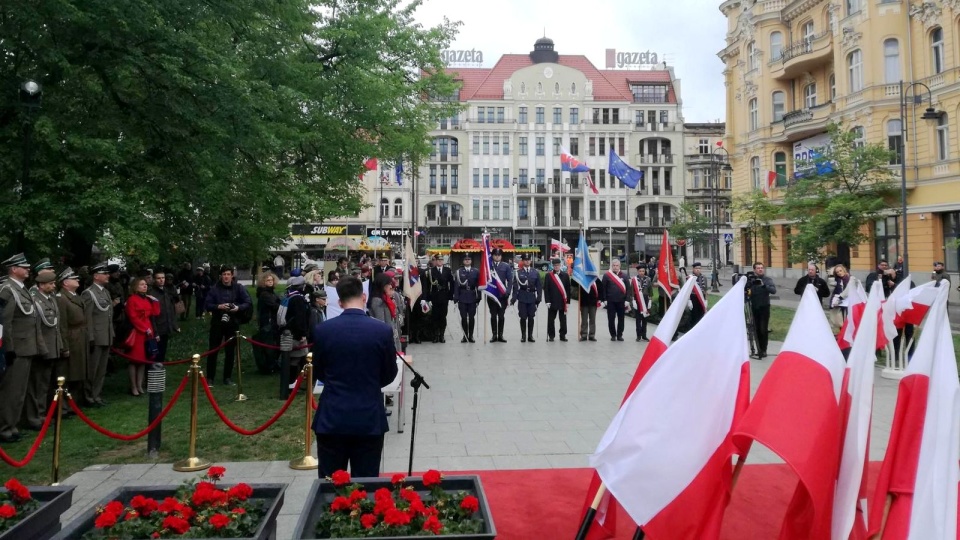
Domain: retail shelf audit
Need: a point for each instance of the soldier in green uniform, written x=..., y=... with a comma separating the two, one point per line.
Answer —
x=98, y=309
x=73, y=329
x=43, y=367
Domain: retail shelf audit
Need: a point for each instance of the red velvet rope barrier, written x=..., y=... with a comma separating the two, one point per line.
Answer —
x=129, y=358
x=270, y=422
x=274, y=347
x=51, y=410
x=135, y=436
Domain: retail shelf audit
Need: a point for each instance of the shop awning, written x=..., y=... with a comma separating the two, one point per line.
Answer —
x=343, y=243
x=438, y=250
x=527, y=249
x=467, y=245
x=374, y=243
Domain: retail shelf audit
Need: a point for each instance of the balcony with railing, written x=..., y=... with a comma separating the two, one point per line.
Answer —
x=444, y=221
x=445, y=158
x=621, y=122
x=655, y=159
x=652, y=221
x=803, y=56
x=805, y=122
x=655, y=126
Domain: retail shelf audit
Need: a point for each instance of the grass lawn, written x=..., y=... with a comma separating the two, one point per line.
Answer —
x=81, y=446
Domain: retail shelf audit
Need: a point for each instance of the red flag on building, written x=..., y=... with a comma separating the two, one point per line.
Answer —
x=770, y=182
x=371, y=164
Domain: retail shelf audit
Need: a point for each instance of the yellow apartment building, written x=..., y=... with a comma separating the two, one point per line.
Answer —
x=792, y=67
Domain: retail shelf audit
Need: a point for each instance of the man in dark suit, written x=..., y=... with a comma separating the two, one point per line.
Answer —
x=497, y=307
x=466, y=295
x=556, y=293
x=440, y=291
x=354, y=357
x=613, y=293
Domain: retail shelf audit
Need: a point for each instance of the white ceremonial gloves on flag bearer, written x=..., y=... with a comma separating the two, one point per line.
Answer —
x=673, y=431
x=916, y=493
x=856, y=410
x=661, y=339
x=796, y=413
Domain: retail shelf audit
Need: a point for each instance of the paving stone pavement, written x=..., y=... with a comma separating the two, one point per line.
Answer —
x=490, y=406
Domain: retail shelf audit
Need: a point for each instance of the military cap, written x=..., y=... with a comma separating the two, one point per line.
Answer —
x=496, y=251
x=113, y=268
x=697, y=264
x=554, y=261
x=67, y=273
x=42, y=264
x=310, y=267
x=438, y=257
x=101, y=268
x=525, y=257
x=17, y=260
x=46, y=276
x=466, y=256
x=938, y=263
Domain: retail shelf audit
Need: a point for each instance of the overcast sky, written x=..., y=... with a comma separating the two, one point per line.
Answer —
x=689, y=32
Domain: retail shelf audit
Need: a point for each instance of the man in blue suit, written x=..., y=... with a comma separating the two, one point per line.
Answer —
x=354, y=357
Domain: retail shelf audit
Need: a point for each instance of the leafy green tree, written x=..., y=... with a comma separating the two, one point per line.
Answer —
x=170, y=130
x=848, y=185
x=691, y=225
x=757, y=211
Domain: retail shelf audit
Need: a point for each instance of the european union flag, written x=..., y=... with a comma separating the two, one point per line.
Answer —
x=399, y=170
x=629, y=176
x=584, y=271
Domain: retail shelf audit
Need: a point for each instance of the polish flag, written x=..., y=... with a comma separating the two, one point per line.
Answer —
x=370, y=164
x=681, y=454
x=666, y=271
x=916, y=494
x=796, y=413
x=605, y=523
x=912, y=304
x=699, y=293
x=720, y=143
x=771, y=181
x=589, y=183
x=856, y=301
x=857, y=398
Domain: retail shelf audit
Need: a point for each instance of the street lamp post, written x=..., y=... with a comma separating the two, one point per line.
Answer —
x=31, y=95
x=929, y=114
x=718, y=164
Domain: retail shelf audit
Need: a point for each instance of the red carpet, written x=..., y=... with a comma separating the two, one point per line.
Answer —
x=546, y=503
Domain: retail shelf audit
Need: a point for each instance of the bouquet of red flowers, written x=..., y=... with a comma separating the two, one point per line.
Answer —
x=15, y=504
x=399, y=511
x=199, y=510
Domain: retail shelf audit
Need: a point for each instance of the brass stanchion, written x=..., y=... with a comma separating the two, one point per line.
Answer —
x=240, y=395
x=193, y=463
x=58, y=400
x=307, y=462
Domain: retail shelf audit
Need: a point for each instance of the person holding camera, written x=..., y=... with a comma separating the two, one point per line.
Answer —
x=885, y=275
x=229, y=303
x=759, y=289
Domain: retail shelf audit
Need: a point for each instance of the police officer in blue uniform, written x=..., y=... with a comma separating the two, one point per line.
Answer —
x=528, y=290
x=497, y=307
x=466, y=295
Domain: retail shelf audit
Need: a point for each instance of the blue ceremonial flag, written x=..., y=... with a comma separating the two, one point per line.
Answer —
x=584, y=271
x=399, y=171
x=627, y=174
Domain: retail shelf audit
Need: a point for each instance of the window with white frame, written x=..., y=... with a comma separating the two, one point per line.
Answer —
x=704, y=146
x=807, y=32
x=855, y=70
x=753, y=59
x=779, y=105
x=859, y=137
x=754, y=112
x=894, y=140
x=398, y=208
x=776, y=45
x=853, y=6
x=755, y=172
x=833, y=86
x=810, y=95
x=943, y=138
x=936, y=50
x=891, y=61
x=384, y=208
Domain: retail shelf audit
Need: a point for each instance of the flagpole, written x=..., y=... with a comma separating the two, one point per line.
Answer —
x=591, y=513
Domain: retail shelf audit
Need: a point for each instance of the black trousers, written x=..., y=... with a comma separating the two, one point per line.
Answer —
x=552, y=314
x=615, y=318
x=218, y=333
x=201, y=299
x=361, y=452
x=641, y=323
x=438, y=315
x=162, y=348
x=761, y=325
x=697, y=313
x=497, y=309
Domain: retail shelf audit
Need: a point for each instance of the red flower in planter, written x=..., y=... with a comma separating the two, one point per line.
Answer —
x=396, y=517
x=114, y=507
x=432, y=478
x=368, y=521
x=239, y=511
x=169, y=505
x=240, y=492
x=397, y=479
x=144, y=505
x=340, y=503
x=383, y=505
x=7, y=511
x=381, y=494
x=105, y=519
x=209, y=497
x=18, y=491
x=358, y=495
x=340, y=478
x=416, y=507
x=432, y=524
x=409, y=495
x=470, y=503
x=219, y=521
x=175, y=524
x=216, y=473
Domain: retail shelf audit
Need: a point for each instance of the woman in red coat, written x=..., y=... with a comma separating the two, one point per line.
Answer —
x=140, y=307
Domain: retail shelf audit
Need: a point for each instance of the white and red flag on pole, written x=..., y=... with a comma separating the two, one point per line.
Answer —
x=912, y=304
x=796, y=414
x=856, y=412
x=699, y=293
x=666, y=271
x=589, y=183
x=856, y=302
x=770, y=182
x=666, y=454
x=920, y=474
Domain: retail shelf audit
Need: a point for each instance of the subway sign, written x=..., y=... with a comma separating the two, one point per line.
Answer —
x=301, y=229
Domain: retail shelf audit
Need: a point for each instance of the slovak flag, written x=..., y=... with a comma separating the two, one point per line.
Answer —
x=571, y=164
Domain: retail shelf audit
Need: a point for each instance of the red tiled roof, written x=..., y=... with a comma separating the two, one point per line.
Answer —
x=608, y=85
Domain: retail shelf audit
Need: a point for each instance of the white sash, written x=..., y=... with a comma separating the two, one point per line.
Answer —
x=563, y=292
x=616, y=279
x=644, y=309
